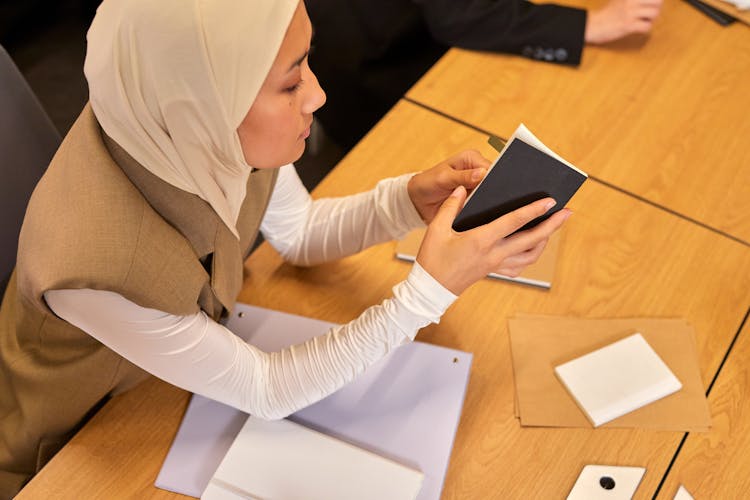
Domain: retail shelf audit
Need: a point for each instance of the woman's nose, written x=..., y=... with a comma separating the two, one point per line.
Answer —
x=316, y=97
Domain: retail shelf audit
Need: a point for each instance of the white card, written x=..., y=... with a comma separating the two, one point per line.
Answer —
x=617, y=379
x=683, y=494
x=285, y=460
x=606, y=482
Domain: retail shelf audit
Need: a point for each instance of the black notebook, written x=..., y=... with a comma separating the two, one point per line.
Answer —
x=525, y=171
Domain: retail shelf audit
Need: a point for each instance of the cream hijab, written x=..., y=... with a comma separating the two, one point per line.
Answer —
x=171, y=80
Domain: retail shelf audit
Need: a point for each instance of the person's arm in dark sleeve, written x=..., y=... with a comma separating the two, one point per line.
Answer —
x=544, y=32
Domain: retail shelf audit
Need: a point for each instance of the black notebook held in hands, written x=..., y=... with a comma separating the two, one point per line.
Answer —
x=525, y=171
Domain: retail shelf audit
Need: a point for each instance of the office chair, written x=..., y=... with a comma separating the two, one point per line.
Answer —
x=28, y=140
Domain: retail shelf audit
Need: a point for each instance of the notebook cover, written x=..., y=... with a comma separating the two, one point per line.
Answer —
x=540, y=342
x=282, y=459
x=522, y=174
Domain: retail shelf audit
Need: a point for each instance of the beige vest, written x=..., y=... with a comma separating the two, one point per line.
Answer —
x=99, y=220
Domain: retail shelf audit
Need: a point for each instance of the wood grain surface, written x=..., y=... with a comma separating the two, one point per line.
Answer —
x=665, y=117
x=716, y=464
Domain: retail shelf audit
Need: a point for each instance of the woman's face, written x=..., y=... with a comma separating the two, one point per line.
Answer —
x=273, y=132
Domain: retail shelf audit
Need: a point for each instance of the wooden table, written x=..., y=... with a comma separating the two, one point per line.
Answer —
x=620, y=257
x=715, y=464
x=742, y=16
x=667, y=119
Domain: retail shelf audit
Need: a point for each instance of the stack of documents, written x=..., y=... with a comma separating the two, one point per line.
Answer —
x=662, y=357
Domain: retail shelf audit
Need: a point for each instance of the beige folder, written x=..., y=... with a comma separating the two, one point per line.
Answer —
x=539, y=343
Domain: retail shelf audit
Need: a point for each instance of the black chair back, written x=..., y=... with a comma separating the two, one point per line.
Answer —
x=28, y=140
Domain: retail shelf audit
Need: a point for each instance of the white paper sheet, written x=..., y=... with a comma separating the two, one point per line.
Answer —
x=285, y=460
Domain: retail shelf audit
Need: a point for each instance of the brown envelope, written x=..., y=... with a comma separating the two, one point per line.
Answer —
x=539, y=343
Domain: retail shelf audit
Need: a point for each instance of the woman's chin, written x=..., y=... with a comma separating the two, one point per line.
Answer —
x=300, y=151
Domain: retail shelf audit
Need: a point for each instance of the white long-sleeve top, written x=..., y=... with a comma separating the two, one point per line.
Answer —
x=197, y=354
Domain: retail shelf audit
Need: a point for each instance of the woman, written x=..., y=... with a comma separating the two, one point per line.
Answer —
x=133, y=242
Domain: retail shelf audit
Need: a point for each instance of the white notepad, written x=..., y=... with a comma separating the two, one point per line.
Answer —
x=617, y=379
x=284, y=460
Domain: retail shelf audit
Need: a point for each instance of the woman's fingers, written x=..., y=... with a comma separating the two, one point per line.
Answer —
x=450, y=208
x=469, y=159
x=525, y=258
x=511, y=222
x=469, y=178
x=466, y=169
x=525, y=240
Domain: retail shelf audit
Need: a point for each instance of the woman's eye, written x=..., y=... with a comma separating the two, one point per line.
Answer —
x=294, y=88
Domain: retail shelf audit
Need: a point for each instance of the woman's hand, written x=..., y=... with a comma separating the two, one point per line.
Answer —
x=458, y=260
x=429, y=189
x=619, y=18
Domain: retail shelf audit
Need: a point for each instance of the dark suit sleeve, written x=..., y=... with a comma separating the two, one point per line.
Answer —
x=545, y=32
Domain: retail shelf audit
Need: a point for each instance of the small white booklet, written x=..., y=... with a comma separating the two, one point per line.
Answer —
x=284, y=460
x=617, y=379
x=525, y=171
x=607, y=482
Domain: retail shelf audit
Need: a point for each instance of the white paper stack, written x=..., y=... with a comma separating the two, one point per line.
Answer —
x=285, y=460
x=617, y=379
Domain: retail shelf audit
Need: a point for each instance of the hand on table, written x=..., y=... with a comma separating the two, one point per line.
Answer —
x=620, y=18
